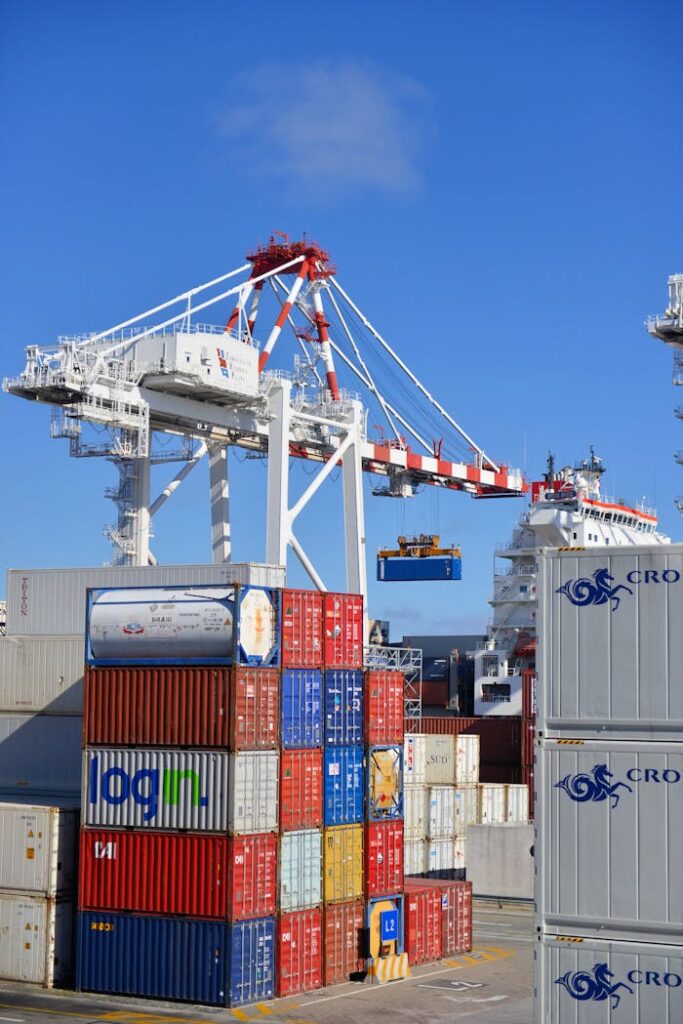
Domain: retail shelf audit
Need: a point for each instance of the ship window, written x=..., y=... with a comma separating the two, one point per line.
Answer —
x=574, y=536
x=523, y=589
x=495, y=693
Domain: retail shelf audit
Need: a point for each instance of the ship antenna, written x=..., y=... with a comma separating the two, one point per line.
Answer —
x=550, y=475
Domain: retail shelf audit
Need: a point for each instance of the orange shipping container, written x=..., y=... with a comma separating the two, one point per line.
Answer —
x=384, y=707
x=344, y=941
x=301, y=789
x=254, y=708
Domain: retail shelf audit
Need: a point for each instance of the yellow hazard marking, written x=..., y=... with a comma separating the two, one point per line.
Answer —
x=241, y=1015
x=480, y=955
x=574, y=743
x=567, y=938
x=127, y=1017
x=262, y=1008
x=51, y=1011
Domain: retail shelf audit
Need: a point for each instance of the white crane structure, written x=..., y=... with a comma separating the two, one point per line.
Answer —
x=122, y=393
x=668, y=326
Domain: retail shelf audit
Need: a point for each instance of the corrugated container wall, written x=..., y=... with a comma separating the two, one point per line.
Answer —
x=447, y=858
x=498, y=737
x=301, y=703
x=254, y=708
x=343, y=630
x=52, y=601
x=416, y=811
x=436, y=567
x=492, y=803
x=40, y=754
x=451, y=760
x=254, y=782
x=517, y=803
x=385, y=783
x=466, y=808
x=301, y=789
x=343, y=941
x=38, y=848
x=611, y=646
x=456, y=917
x=37, y=939
x=343, y=702
x=299, y=953
x=41, y=674
x=302, y=629
x=441, y=821
x=415, y=857
x=300, y=870
x=342, y=863
x=383, y=857
x=384, y=707
x=423, y=924
x=179, y=874
x=344, y=785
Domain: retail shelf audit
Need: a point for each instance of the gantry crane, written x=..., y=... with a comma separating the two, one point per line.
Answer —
x=668, y=326
x=167, y=373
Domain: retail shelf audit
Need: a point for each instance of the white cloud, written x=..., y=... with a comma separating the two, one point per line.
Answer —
x=332, y=126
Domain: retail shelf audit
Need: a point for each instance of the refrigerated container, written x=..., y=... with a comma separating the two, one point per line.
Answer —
x=41, y=674
x=517, y=803
x=38, y=846
x=384, y=699
x=301, y=708
x=492, y=803
x=301, y=789
x=40, y=754
x=343, y=941
x=36, y=939
x=415, y=759
x=422, y=924
x=299, y=952
x=302, y=629
x=385, y=783
x=254, y=782
x=466, y=808
x=383, y=857
x=415, y=857
x=343, y=624
x=441, y=816
x=415, y=811
x=343, y=707
x=342, y=863
x=300, y=870
x=498, y=736
x=446, y=858
x=451, y=760
x=344, y=785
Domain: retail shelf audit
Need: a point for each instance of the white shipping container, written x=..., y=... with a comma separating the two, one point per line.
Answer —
x=52, y=601
x=155, y=789
x=41, y=674
x=414, y=759
x=446, y=854
x=38, y=847
x=603, y=982
x=466, y=808
x=441, y=760
x=253, y=794
x=492, y=803
x=608, y=846
x=517, y=803
x=610, y=643
x=40, y=754
x=415, y=857
x=300, y=869
x=36, y=941
x=415, y=811
x=441, y=820
x=467, y=760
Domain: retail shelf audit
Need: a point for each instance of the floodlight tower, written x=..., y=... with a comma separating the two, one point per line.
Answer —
x=668, y=326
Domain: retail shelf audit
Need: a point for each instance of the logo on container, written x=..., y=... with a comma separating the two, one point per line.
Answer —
x=598, y=590
x=596, y=985
x=595, y=785
x=146, y=788
x=133, y=629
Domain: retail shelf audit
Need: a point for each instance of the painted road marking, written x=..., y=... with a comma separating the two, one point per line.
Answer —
x=16, y=1020
x=55, y=1013
x=476, y=999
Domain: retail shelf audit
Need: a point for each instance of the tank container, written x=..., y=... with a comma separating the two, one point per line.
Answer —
x=343, y=725
x=300, y=870
x=38, y=845
x=301, y=704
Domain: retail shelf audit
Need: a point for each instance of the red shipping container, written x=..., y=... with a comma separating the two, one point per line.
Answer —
x=456, y=917
x=230, y=878
x=434, y=694
x=528, y=693
x=528, y=727
x=254, y=708
x=344, y=941
x=422, y=924
x=302, y=629
x=527, y=777
x=299, y=952
x=383, y=858
x=499, y=735
x=301, y=789
x=174, y=706
x=384, y=707
x=343, y=626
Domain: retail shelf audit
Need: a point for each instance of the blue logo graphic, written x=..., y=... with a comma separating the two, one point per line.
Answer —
x=593, y=787
x=583, y=591
x=595, y=985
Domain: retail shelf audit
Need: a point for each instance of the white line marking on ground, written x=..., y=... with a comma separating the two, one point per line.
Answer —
x=16, y=1020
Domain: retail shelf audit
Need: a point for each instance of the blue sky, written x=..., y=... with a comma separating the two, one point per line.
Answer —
x=499, y=185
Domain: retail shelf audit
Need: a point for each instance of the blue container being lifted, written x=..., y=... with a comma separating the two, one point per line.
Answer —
x=344, y=724
x=403, y=570
x=176, y=958
x=344, y=785
x=301, y=708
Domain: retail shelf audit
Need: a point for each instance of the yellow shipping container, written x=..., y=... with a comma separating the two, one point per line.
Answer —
x=342, y=863
x=385, y=783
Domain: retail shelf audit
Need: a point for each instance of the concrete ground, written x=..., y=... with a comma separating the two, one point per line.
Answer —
x=490, y=985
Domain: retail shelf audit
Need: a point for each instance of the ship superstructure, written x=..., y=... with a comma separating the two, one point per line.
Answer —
x=567, y=509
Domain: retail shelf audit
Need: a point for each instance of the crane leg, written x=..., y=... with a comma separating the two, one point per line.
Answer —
x=221, y=534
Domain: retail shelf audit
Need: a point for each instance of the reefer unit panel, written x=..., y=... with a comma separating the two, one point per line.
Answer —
x=36, y=939
x=156, y=789
x=344, y=785
x=52, y=601
x=41, y=674
x=38, y=846
x=342, y=863
x=384, y=707
x=301, y=708
x=343, y=630
x=300, y=869
x=343, y=941
x=302, y=629
x=299, y=953
x=611, y=646
x=343, y=725
x=253, y=791
x=40, y=754
x=301, y=789
x=183, y=625
x=608, y=846
x=601, y=982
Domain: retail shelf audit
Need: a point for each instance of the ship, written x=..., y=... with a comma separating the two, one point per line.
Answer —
x=567, y=509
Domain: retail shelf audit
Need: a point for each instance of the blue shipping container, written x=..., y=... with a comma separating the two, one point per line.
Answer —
x=344, y=725
x=301, y=696
x=344, y=785
x=438, y=567
x=176, y=958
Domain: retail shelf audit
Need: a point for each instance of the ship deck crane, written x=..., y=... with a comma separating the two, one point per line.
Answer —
x=165, y=374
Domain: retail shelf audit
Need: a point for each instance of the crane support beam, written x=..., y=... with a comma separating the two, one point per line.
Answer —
x=221, y=532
